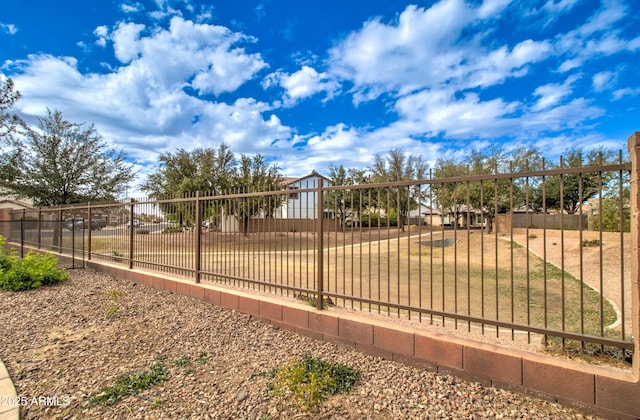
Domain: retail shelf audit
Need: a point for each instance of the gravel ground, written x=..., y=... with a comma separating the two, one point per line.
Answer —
x=59, y=343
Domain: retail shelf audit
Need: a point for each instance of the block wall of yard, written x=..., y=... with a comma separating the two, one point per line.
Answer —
x=603, y=391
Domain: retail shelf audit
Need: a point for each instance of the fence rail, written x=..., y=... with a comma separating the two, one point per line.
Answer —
x=443, y=251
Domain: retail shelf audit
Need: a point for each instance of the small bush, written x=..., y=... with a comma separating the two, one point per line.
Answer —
x=5, y=260
x=310, y=381
x=34, y=270
x=142, y=232
x=115, y=295
x=172, y=229
x=592, y=242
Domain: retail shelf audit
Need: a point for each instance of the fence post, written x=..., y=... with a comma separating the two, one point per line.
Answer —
x=89, y=233
x=198, y=233
x=39, y=228
x=73, y=239
x=633, y=144
x=320, y=251
x=22, y=235
x=131, y=235
x=59, y=230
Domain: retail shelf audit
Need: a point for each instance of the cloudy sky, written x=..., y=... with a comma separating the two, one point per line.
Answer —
x=309, y=84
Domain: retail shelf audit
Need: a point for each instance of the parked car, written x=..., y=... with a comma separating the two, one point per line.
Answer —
x=97, y=224
x=74, y=224
x=80, y=224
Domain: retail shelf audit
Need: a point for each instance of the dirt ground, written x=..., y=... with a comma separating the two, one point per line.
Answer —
x=611, y=272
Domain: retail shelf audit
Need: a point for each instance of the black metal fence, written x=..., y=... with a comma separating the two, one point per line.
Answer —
x=442, y=251
x=48, y=235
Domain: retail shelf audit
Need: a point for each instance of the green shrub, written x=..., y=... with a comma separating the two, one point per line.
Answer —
x=310, y=381
x=172, y=229
x=5, y=260
x=371, y=220
x=142, y=232
x=592, y=242
x=377, y=220
x=114, y=308
x=34, y=270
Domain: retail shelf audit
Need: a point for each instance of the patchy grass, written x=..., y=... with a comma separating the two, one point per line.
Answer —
x=591, y=242
x=309, y=381
x=114, y=305
x=130, y=384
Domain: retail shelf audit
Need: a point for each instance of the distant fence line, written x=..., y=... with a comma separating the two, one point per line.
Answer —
x=506, y=221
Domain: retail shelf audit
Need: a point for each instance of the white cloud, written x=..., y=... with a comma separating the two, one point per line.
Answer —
x=602, y=80
x=625, y=92
x=549, y=12
x=552, y=94
x=142, y=106
x=398, y=56
x=555, y=7
x=132, y=8
x=8, y=28
x=491, y=8
x=571, y=115
x=302, y=84
x=434, y=112
x=449, y=71
x=612, y=11
x=600, y=36
x=355, y=149
x=428, y=48
x=102, y=35
x=501, y=64
x=126, y=39
x=207, y=54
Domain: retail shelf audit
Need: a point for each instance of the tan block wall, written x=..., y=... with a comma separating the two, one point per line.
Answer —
x=605, y=392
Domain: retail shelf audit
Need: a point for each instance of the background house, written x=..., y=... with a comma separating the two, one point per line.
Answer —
x=298, y=207
x=10, y=203
x=302, y=204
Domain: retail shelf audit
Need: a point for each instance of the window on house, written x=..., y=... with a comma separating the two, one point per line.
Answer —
x=292, y=195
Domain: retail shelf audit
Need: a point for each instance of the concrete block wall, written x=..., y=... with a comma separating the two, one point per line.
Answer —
x=603, y=391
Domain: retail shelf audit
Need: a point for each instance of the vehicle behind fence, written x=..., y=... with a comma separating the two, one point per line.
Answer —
x=539, y=255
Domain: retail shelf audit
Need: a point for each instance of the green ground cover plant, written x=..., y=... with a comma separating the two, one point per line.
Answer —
x=311, y=380
x=32, y=271
x=130, y=384
x=114, y=296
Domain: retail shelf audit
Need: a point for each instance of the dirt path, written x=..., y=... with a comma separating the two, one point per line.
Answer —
x=593, y=271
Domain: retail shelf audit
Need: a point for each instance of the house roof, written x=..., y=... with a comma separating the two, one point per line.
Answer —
x=14, y=204
x=313, y=174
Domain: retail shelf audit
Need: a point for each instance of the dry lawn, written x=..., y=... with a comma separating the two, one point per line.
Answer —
x=481, y=275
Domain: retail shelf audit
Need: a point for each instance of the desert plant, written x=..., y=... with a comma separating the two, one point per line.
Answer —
x=311, y=380
x=172, y=229
x=114, y=296
x=130, y=384
x=5, y=260
x=30, y=272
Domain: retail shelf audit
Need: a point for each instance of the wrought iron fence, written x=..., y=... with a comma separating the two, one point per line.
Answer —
x=61, y=236
x=542, y=253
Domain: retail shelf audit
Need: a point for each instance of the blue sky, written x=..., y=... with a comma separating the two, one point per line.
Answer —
x=309, y=84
